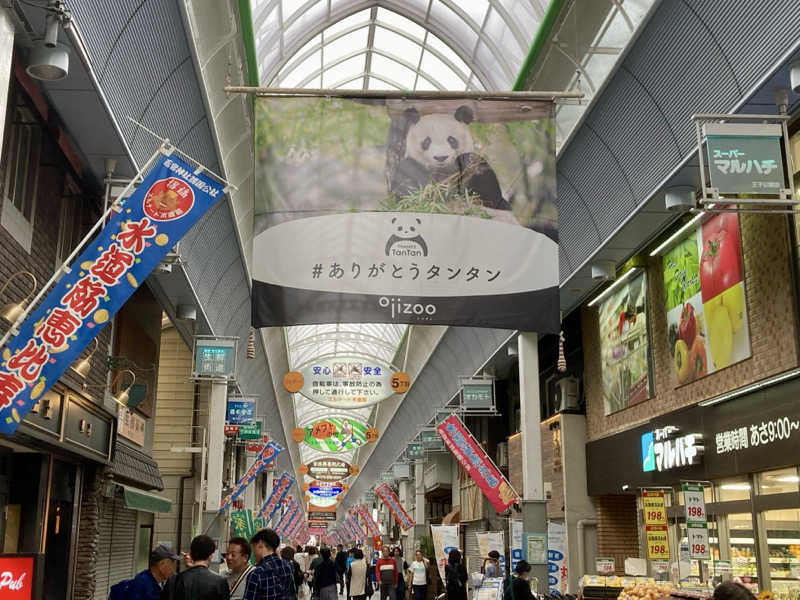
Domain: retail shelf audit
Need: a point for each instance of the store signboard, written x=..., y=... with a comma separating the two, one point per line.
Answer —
x=477, y=394
x=130, y=425
x=704, y=294
x=358, y=219
x=240, y=409
x=325, y=491
x=346, y=382
x=624, y=346
x=322, y=515
x=230, y=430
x=214, y=357
x=249, y=431
x=18, y=576
x=431, y=440
x=654, y=510
x=387, y=477
x=668, y=448
x=756, y=432
x=401, y=471
x=745, y=158
x=415, y=451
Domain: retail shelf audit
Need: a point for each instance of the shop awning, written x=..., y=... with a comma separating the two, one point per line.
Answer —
x=144, y=501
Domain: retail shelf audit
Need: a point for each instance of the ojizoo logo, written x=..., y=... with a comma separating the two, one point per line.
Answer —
x=398, y=307
x=648, y=452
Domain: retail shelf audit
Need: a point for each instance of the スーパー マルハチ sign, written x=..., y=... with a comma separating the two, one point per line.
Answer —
x=374, y=207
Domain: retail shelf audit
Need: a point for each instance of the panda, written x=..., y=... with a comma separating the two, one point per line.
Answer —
x=406, y=237
x=438, y=148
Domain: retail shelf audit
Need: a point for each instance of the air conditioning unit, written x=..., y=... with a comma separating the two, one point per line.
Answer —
x=566, y=394
x=502, y=454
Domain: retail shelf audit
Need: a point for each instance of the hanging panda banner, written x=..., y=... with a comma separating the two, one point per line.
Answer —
x=430, y=211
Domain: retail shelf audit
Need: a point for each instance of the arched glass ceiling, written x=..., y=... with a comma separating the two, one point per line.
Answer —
x=393, y=44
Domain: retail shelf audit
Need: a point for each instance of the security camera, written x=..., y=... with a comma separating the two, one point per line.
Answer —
x=626, y=488
x=794, y=76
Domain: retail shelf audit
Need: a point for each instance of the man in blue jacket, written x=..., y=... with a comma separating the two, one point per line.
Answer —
x=147, y=584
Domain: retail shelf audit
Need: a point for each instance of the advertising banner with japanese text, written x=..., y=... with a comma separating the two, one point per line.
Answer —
x=398, y=511
x=336, y=434
x=479, y=467
x=557, y=570
x=279, y=490
x=170, y=199
x=369, y=522
x=361, y=535
x=704, y=295
x=515, y=525
x=493, y=540
x=286, y=518
x=268, y=453
x=429, y=211
x=624, y=347
x=445, y=539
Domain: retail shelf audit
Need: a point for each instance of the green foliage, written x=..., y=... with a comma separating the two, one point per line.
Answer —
x=441, y=198
x=426, y=547
x=681, y=272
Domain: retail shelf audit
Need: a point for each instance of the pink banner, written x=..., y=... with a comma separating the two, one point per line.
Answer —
x=479, y=467
x=390, y=499
x=370, y=524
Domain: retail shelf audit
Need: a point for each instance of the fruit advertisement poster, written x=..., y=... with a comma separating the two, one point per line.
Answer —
x=624, y=346
x=705, y=300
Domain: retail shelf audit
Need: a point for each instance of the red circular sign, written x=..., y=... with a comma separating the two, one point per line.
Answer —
x=168, y=199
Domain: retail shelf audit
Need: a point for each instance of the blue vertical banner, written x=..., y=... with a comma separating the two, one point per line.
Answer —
x=170, y=199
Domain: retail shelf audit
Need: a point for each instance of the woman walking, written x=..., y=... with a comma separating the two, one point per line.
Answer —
x=419, y=576
x=325, y=577
x=455, y=576
x=402, y=569
x=357, y=577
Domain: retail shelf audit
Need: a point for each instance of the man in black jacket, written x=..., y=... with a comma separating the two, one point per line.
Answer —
x=197, y=583
x=341, y=566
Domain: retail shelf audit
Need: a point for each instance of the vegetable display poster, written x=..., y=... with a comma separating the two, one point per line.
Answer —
x=707, y=326
x=624, y=346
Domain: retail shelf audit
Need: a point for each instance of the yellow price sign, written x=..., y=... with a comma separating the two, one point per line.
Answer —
x=654, y=507
x=657, y=542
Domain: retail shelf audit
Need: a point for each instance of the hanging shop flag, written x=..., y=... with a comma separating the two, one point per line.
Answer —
x=369, y=522
x=243, y=524
x=398, y=511
x=344, y=383
x=99, y=281
x=286, y=518
x=445, y=539
x=336, y=434
x=655, y=524
x=360, y=533
x=279, y=490
x=294, y=525
x=493, y=540
x=348, y=530
x=704, y=294
x=388, y=208
x=268, y=453
x=479, y=467
x=624, y=347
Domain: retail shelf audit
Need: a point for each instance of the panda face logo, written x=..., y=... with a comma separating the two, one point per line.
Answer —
x=406, y=238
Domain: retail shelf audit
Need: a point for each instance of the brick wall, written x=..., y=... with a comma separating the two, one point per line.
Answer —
x=773, y=333
x=552, y=466
x=86, y=557
x=617, y=530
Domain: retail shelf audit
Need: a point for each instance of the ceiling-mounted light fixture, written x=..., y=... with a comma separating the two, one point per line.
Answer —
x=49, y=61
x=681, y=198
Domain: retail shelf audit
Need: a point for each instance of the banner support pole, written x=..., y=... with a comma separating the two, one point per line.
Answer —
x=64, y=268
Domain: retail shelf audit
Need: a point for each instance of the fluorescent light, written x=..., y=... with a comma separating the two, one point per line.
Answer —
x=190, y=450
x=788, y=479
x=735, y=486
x=615, y=285
x=751, y=388
x=669, y=241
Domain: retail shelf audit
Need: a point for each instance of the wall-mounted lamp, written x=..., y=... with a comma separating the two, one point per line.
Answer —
x=12, y=310
x=49, y=61
x=122, y=396
x=83, y=365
